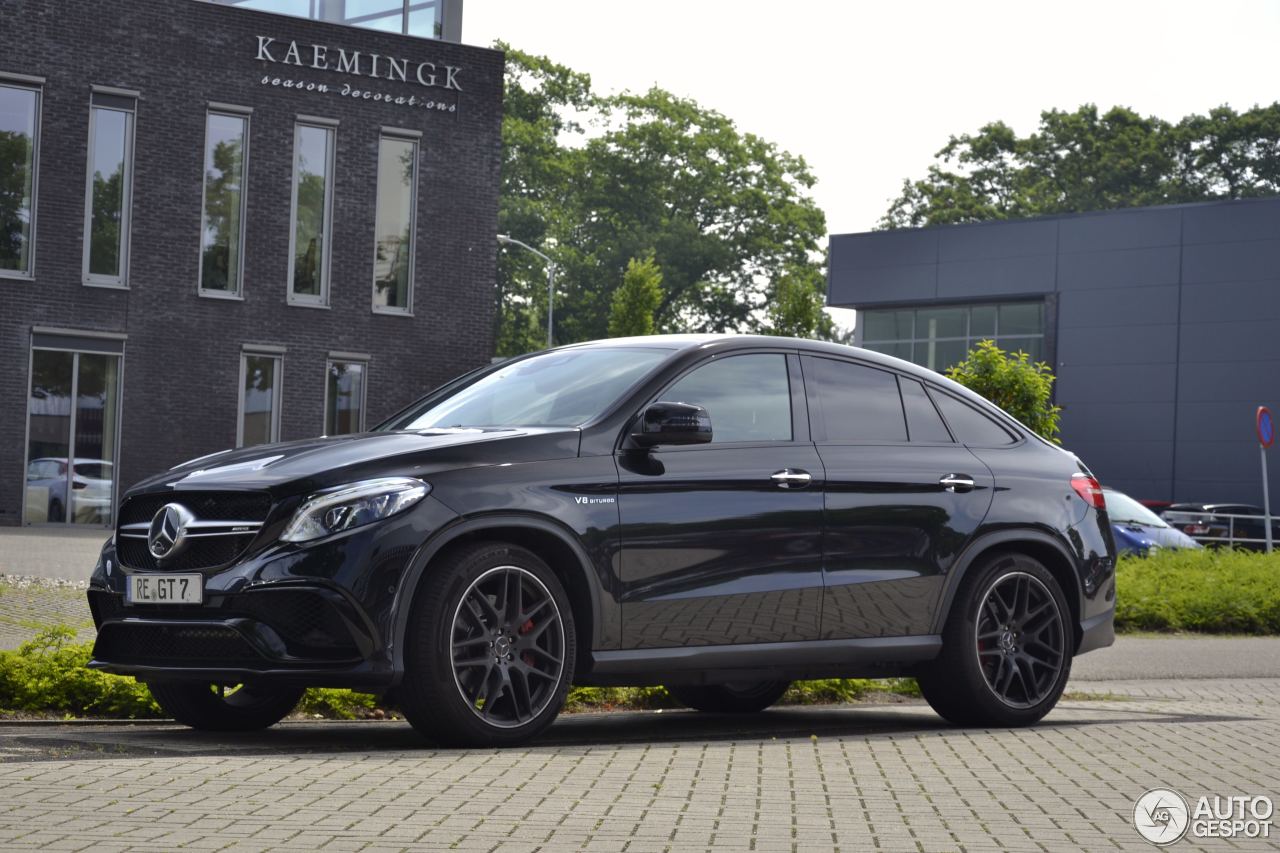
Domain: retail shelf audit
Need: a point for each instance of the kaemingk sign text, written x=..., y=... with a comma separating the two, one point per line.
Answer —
x=323, y=57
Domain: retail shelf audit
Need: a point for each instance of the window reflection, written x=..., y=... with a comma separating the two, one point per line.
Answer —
x=260, y=400
x=412, y=17
x=220, y=252
x=344, y=398
x=18, y=109
x=110, y=144
x=393, y=226
x=312, y=192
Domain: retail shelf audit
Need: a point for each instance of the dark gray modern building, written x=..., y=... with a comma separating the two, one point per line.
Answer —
x=221, y=224
x=1162, y=324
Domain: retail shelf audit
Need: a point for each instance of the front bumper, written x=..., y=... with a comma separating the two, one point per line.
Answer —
x=322, y=615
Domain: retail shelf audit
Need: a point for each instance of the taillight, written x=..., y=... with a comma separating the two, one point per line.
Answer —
x=79, y=484
x=1196, y=529
x=1089, y=490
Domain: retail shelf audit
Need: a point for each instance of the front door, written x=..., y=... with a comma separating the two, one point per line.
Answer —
x=902, y=498
x=721, y=542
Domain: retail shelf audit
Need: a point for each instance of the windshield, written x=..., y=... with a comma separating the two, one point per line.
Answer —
x=1122, y=509
x=556, y=389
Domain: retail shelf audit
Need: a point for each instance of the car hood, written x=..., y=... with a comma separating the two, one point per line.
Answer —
x=320, y=462
x=1133, y=537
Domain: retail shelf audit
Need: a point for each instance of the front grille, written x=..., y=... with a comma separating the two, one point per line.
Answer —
x=207, y=506
x=125, y=642
x=198, y=553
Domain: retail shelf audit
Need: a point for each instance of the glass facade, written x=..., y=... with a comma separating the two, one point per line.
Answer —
x=411, y=17
x=938, y=338
x=107, y=196
x=73, y=417
x=19, y=123
x=312, y=209
x=260, y=387
x=344, y=397
x=393, y=225
x=222, y=231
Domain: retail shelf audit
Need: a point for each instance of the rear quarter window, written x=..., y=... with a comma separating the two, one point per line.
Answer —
x=968, y=425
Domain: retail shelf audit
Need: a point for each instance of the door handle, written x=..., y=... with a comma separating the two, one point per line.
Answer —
x=791, y=478
x=956, y=482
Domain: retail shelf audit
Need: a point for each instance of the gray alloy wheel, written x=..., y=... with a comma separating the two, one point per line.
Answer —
x=508, y=648
x=490, y=652
x=1006, y=647
x=1020, y=639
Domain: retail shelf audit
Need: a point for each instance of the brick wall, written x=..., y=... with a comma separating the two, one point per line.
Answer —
x=182, y=356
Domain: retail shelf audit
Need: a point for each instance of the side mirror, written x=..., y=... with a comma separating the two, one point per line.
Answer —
x=672, y=423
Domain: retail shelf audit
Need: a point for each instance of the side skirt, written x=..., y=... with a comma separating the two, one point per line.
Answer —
x=861, y=657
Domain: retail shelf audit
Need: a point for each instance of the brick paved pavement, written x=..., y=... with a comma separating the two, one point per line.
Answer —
x=886, y=777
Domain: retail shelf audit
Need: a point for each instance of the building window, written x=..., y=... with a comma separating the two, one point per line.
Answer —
x=411, y=17
x=19, y=126
x=344, y=394
x=108, y=194
x=312, y=210
x=393, y=225
x=222, y=227
x=938, y=338
x=260, y=387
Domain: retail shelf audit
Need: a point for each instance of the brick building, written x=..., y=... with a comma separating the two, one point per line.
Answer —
x=224, y=226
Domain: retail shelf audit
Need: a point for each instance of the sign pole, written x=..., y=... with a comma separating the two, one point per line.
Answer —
x=1266, y=435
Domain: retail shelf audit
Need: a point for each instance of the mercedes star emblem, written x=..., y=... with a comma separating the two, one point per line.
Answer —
x=168, y=530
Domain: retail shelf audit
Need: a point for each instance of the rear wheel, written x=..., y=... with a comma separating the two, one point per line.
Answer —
x=490, y=652
x=225, y=708
x=730, y=698
x=1006, y=648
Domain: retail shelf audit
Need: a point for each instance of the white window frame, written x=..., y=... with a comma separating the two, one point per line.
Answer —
x=305, y=300
x=347, y=358
x=277, y=389
x=120, y=281
x=244, y=113
x=36, y=86
x=414, y=137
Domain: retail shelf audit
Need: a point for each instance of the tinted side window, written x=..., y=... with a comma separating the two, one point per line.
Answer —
x=968, y=425
x=923, y=421
x=747, y=396
x=855, y=403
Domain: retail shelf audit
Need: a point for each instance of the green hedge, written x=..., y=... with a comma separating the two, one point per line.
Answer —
x=1215, y=591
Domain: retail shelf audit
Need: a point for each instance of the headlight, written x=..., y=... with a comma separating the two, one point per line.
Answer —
x=352, y=505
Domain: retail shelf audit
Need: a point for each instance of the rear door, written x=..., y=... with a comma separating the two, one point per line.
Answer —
x=902, y=498
x=721, y=542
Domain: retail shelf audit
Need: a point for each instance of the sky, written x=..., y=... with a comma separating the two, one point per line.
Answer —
x=868, y=92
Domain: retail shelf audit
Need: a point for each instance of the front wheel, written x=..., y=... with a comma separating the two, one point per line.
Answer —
x=223, y=708
x=491, y=646
x=1006, y=648
x=731, y=698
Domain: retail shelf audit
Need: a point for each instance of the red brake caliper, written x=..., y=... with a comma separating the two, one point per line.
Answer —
x=527, y=657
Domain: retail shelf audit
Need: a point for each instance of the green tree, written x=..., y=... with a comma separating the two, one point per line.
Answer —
x=796, y=306
x=725, y=213
x=636, y=301
x=1086, y=160
x=1013, y=382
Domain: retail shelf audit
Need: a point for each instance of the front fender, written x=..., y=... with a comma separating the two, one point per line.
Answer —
x=498, y=524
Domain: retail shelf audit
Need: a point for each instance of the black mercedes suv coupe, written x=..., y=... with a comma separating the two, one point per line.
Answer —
x=717, y=514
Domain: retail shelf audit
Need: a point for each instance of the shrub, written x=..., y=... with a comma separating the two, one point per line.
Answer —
x=48, y=674
x=1212, y=591
x=1013, y=382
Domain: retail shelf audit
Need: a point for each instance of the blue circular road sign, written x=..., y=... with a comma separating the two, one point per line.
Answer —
x=1266, y=428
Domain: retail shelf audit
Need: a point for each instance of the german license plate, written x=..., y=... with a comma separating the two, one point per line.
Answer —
x=165, y=589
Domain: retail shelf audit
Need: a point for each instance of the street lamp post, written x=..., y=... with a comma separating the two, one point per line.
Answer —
x=551, y=280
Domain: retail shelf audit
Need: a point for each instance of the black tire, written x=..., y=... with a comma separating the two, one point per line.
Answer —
x=732, y=698
x=1006, y=647
x=490, y=651
x=212, y=708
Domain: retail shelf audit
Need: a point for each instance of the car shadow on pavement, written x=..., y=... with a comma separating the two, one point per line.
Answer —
x=581, y=730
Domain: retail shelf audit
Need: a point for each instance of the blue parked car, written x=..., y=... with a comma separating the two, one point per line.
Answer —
x=1138, y=530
